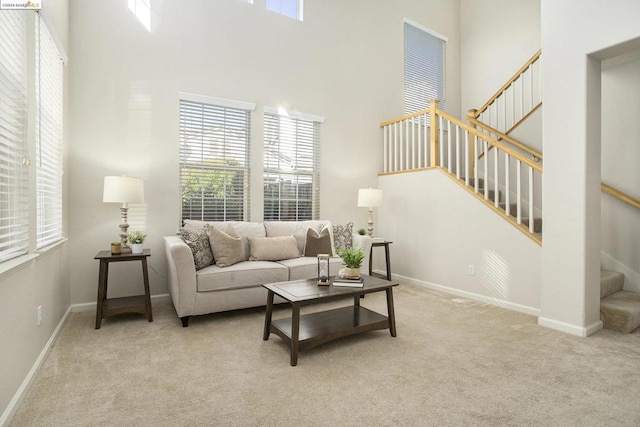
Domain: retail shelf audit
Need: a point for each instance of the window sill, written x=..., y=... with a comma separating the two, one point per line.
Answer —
x=11, y=266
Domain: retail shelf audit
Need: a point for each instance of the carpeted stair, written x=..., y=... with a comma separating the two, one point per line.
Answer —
x=619, y=310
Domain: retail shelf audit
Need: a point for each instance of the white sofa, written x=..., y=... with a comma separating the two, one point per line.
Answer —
x=215, y=289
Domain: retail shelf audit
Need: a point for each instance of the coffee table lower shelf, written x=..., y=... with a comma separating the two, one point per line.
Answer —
x=319, y=328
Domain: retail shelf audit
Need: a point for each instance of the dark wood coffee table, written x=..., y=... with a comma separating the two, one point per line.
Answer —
x=310, y=330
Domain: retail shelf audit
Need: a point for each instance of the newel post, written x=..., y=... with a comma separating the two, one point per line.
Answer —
x=472, y=114
x=435, y=155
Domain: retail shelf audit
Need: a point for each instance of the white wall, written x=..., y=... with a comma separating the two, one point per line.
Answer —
x=620, y=232
x=440, y=230
x=42, y=281
x=344, y=62
x=573, y=49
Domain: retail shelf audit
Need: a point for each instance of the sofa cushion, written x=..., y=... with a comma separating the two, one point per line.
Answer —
x=273, y=248
x=245, y=229
x=343, y=236
x=227, y=246
x=198, y=242
x=307, y=267
x=317, y=243
x=244, y=274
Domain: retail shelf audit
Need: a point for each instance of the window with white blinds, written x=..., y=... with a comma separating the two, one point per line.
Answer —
x=291, y=167
x=214, y=159
x=14, y=198
x=49, y=88
x=424, y=68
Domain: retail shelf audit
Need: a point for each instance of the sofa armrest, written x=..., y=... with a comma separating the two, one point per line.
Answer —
x=364, y=243
x=182, y=275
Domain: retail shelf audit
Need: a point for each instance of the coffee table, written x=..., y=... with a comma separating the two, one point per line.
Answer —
x=310, y=330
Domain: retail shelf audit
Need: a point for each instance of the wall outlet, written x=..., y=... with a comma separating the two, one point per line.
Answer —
x=471, y=270
x=39, y=315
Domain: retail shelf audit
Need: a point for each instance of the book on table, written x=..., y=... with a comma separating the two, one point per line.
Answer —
x=345, y=281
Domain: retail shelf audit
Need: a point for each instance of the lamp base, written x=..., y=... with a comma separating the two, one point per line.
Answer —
x=370, y=223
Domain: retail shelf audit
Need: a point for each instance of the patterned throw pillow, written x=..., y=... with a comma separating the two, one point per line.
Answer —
x=342, y=236
x=198, y=242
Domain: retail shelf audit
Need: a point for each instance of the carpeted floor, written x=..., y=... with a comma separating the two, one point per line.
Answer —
x=454, y=362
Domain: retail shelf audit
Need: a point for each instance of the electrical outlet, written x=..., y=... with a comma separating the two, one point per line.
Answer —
x=39, y=315
x=471, y=270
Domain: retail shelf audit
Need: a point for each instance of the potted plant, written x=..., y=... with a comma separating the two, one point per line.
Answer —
x=136, y=238
x=352, y=258
x=362, y=231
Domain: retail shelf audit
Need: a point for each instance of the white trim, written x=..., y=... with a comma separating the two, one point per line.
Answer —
x=212, y=100
x=469, y=295
x=20, y=394
x=293, y=114
x=579, y=331
x=425, y=29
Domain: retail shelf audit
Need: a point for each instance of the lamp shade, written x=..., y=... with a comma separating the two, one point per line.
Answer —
x=369, y=198
x=123, y=189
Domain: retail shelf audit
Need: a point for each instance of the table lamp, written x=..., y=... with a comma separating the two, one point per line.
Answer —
x=369, y=198
x=123, y=189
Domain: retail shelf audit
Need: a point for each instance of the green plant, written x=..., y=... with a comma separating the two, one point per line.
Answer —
x=136, y=237
x=352, y=257
x=362, y=231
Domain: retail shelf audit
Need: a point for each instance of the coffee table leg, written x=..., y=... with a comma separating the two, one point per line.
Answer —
x=267, y=316
x=391, y=312
x=295, y=333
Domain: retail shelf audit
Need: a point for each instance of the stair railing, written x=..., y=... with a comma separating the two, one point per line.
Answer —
x=506, y=180
x=620, y=195
x=516, y=100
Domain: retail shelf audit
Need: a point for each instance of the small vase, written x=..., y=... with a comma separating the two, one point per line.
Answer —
x=136, y=248
x=352, y=273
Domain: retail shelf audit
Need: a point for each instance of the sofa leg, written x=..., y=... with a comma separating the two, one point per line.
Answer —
x=185, y=321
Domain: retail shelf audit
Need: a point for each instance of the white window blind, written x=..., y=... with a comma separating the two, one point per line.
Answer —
x=290, y=8
x=291, y=168
x=214, y=161
x=424, y=68
x=49, y=93
x=14, y=203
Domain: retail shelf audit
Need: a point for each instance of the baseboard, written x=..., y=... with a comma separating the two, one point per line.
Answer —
x=91, y=306
x=631, y=278
x=580, y=331
x=6, y=416
x=469, y=295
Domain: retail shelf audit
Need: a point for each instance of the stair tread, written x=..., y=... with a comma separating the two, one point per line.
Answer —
x=610, y=282
x=621, y=311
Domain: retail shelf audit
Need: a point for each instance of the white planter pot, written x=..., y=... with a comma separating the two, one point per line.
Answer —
x=136, y=248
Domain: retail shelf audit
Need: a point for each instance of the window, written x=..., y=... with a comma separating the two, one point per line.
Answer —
x=424, y=67
x=290, y=8
x=291, y=166
x=14, y=177
x=215, y=138
x=48, y=138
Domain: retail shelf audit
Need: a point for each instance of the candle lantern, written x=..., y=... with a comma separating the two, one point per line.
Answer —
x=323, y=269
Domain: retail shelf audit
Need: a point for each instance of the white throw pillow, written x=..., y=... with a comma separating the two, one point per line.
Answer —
x=227, y=246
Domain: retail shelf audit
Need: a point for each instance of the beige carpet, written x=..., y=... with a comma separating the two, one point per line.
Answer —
x=454, y=362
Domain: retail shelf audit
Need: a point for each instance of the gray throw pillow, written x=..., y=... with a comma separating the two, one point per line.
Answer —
x=317, y=243
x=343, y=236
x=227, y=246
x=198, y=242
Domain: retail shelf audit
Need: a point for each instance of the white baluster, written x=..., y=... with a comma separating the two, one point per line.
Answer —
x=413, y=143
x=496, y=187
x=385, y=147
x=457, y=151
x=507, y=201
x=419, y=143
x=518, y=192
x=466, y=157
x=396, y=127
x=441, y=129
x=485, y=157
x=531, y=225
x=449, y=145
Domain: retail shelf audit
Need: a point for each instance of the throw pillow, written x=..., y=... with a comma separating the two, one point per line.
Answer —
x=343, y=236
x=317, y=243
x=198, y=242
x=273, y=248
x=227, y=246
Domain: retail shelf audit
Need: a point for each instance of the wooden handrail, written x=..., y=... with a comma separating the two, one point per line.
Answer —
x=507, y=138
x=524, y=118
x=406, y=117
x=620, y=195
x=509, y=82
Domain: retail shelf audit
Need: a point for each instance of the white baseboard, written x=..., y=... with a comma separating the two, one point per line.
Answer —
x=580, y=331
x=631, y=278
x=470, y=295
x=91, y=306
x=6, y=416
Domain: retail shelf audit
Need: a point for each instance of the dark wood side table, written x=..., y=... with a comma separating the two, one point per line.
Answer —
x=111, y=306
x=387, y=257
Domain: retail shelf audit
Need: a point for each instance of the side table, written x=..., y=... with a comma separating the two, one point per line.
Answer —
x=111, y=306
x=387, y=257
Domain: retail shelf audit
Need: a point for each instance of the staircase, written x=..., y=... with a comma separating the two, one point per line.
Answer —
x=619, y=310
